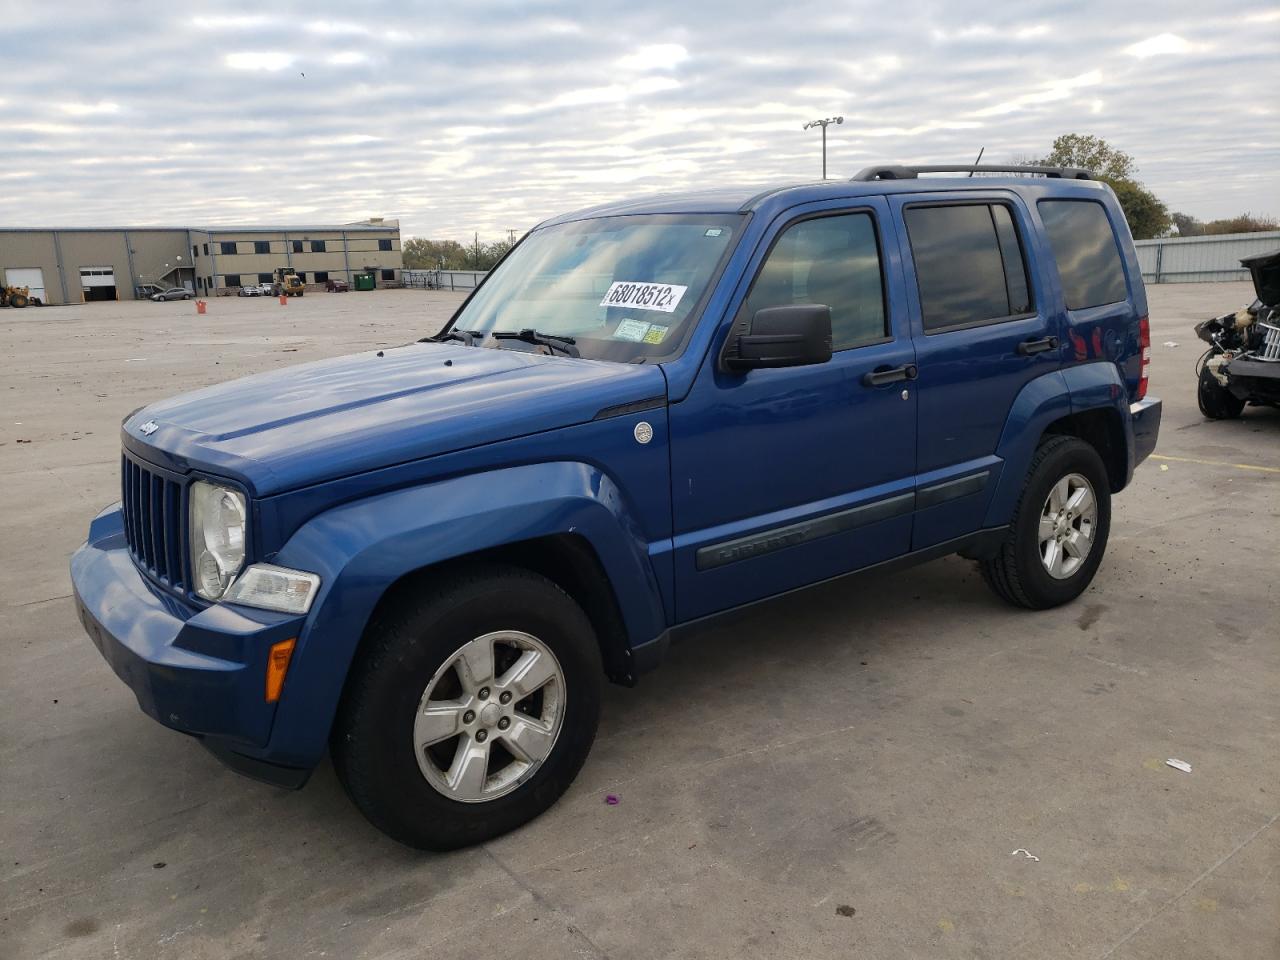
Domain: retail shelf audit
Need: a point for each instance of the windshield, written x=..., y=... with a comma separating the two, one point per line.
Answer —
x=625, y=288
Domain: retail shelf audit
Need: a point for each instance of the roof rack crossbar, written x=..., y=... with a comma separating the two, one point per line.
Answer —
x=900, y=172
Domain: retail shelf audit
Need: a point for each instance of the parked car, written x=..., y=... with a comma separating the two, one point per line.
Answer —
x=1242, y=364
x=268, y=290
x=337, y=286
x=251, y=290
x=428, y=558
x=172, y=293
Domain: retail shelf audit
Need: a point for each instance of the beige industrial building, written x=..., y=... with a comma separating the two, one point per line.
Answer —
x=78, y=265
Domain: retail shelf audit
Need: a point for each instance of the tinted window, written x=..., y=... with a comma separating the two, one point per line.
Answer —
x=384, y=244
x=317, y=246
x=831, y=260
x=231, y=280
x=969, y=264
x=262, y=246
x=228, y=247
x=321, y=276
x=297, y=246
x=1085, y=247
x=388, y=274
x=264, y=278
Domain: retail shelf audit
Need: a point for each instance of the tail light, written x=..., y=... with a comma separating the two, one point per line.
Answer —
x=1144, y=342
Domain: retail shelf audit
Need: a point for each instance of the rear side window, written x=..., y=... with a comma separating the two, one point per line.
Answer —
x=969, y=262
x=1084, y=245
x=831, y=260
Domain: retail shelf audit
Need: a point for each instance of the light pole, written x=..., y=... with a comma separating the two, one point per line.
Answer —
x=823, y=125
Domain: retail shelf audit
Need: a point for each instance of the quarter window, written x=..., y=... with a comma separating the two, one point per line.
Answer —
x=833, y=261
x=970, y=267
x=1085, y=247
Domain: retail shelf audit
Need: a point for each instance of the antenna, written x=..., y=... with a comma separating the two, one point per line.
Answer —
x=979, y=160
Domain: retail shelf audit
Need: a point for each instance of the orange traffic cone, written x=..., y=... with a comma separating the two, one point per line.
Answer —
x=284, y=300
x=200, y=305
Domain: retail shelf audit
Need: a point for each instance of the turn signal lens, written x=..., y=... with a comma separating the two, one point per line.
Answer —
x=278, y=666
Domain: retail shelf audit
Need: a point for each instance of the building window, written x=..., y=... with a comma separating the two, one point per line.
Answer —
x=970, y=268
x=322, y=276
x=264, y=278
x=231, y=280
x=194, y=253
x=302, y=275
x=227, y=248
x=297, y=246
x=384, y=244
x=262, y=246
x=388, y=274
x=206, y=249
x=317, y=246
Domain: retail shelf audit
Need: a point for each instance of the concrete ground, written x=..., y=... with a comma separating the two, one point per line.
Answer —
x=851, y=772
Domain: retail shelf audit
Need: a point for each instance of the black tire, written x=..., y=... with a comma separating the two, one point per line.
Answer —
x=187, y=297
x=1216, y=401
x=18, y=300
x=407, y=643
x=1016, y=572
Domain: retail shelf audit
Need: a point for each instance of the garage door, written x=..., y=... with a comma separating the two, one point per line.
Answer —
x=32, y=277
x=98, y=283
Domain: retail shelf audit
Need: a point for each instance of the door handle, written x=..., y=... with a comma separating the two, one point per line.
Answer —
x=878, y=378
x=1027, y=347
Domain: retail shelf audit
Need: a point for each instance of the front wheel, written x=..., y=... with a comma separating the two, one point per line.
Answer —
x=469, y=711
x=1216, y=401
x=1059, y=530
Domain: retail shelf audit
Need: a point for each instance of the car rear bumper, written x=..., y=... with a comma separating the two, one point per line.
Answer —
x=200, y=671
x=1144, y=419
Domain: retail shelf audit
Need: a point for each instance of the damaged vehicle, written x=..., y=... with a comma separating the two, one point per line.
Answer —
x=1242, y=364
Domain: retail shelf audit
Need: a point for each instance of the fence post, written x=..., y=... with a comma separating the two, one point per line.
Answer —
x=1159, y=260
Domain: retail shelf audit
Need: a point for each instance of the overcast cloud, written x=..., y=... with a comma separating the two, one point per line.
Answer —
x=493, y=116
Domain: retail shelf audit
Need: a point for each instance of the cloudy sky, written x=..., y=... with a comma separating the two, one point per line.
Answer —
x=491, y=116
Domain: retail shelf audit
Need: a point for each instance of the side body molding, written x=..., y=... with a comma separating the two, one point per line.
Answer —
x=359, y=549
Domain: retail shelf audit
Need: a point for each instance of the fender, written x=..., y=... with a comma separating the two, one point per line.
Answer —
x=1071, y=390
x=360, y=549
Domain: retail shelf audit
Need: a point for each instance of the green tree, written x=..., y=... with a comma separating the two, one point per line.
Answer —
x=1147, y=216
x=1187, y=225
x=1245, y=223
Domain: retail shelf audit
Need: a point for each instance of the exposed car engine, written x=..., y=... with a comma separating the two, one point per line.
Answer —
x=1242, y=364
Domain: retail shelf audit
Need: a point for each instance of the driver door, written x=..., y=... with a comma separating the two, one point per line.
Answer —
x=786, y=477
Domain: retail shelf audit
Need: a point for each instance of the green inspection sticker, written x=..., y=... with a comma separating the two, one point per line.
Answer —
x=656, y=333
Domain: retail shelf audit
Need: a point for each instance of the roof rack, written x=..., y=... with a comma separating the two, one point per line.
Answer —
x=899, y=172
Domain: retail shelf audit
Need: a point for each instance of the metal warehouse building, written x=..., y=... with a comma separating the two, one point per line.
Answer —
x=77, y=265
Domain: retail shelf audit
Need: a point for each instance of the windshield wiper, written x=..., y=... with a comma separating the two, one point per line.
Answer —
x=528, y=335
x=470, y=338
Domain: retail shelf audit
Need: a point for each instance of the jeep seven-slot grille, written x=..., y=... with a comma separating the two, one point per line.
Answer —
x=153, y=521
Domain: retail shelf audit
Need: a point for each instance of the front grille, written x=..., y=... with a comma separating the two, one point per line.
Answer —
x=1270, y=342
x=154, y=521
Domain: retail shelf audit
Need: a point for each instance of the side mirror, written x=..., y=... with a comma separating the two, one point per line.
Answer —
x=795, y=335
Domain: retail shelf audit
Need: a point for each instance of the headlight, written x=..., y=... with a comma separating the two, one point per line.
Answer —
x=274, y=588
x=217, y=537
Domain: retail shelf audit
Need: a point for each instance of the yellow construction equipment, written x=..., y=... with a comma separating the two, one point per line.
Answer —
x=289, y=283
x=15, y=296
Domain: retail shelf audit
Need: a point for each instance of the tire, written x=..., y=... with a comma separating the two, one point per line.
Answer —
x=187, y=297
x=1216, y=401
x=409, y=652
x=18, y=300
x=1020, y=572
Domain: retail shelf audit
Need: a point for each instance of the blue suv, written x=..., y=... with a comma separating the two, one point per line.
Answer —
x=427, y=559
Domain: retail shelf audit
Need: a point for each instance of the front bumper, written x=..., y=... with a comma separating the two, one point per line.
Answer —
x=1144, y=420
x=201, y=671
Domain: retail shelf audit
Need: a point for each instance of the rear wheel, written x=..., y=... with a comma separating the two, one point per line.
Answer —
x=18, y=300
x=470, y=711
x=1216, y=401
x=1059, y=530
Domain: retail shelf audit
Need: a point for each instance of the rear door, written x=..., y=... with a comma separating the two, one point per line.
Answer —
x=785, y=477
x=982, y=330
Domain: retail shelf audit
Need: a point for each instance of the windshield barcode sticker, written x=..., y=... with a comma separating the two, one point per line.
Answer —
x=664, y=297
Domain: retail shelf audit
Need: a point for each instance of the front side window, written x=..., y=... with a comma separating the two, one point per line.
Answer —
x=1085, y=247
x=970, y=266
x=625, y=288
x=833, y=261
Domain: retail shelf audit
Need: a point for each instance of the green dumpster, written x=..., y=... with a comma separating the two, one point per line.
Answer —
x=365, y=281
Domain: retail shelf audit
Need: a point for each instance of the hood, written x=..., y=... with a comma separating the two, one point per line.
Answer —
x=1265, y=270
x=318, y=421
